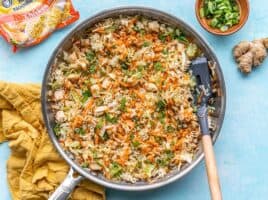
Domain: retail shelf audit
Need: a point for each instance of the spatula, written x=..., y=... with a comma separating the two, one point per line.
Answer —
x=200, y=70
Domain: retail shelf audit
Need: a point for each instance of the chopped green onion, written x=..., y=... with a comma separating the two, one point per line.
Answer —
x=105, y=136
x=146, y=44
x=131, y=136
x=192, y=50
x=136, y=144
x=141, y=68
x=158, y=139
x=90, y=55
x=111, y=28
x=224, y=28
x=123, y=104
x=148, y=169
x=115, y=170
x=92, y=69
x=165, y=51
x=162, y=37
x=161, y=117
x=214, y=22
x=202, y=12
x=57, y=129
x=85, y=95
x=124, y=65
x=170, y=129
x=182, y=38
x=169, y=154
x=222, y=14
x=137, y=29
x=79, y=131
x=158, y=66
x=84, y=165
x=161, y=105
x=100, y=124
x=111, y=119
x=75, y=96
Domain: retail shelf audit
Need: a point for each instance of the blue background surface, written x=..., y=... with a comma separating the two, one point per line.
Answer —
x=241, y=149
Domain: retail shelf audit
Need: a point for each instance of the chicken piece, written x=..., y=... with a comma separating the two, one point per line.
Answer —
x=153, y=26
x=60, y=116
x=58, y=95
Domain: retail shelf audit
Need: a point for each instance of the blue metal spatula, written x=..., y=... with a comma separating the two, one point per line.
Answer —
x=200, y=70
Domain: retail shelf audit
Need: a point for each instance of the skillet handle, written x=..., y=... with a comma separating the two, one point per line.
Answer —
x=66, y=187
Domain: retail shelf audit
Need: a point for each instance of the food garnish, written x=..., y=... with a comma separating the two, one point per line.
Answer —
x=221, y=14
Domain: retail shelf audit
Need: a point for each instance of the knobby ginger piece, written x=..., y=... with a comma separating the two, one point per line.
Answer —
x=250, y=54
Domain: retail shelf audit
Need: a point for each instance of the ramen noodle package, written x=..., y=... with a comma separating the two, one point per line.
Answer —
x=26, y=23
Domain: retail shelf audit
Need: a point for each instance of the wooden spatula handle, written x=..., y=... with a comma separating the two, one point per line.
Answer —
x=213, y=178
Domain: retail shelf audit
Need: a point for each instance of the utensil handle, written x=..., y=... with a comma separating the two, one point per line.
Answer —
x=66, y=187
x=211, y=167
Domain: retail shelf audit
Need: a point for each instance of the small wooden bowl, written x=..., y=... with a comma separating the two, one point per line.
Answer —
x=244, y=12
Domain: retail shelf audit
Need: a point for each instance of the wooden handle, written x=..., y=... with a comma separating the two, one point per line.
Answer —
x=213, y=178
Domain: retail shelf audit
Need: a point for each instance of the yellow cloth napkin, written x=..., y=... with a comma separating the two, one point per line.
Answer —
x=34, y=168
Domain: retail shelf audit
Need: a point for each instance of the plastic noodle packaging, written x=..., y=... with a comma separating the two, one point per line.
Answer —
x=25, y=23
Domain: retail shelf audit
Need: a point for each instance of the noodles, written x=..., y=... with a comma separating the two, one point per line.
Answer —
x=122, y=99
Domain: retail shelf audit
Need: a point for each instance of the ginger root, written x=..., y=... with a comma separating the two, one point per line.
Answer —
x=250, y=54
